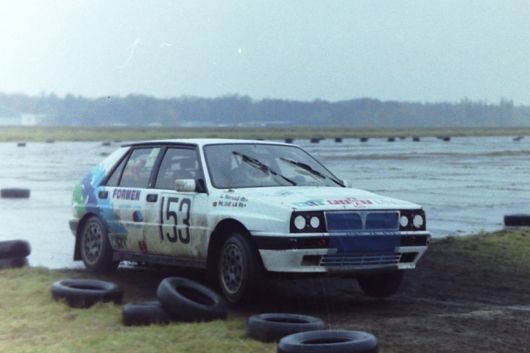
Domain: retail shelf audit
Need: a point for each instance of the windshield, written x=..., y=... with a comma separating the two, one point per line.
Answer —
x=258, y=165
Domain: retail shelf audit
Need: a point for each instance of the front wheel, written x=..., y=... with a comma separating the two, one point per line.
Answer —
x=380, y=285
x=96, y=250
x=239, y=270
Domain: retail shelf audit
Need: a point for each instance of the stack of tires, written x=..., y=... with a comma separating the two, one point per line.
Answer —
x=302, y=333
x=179, y=299
x=14, y=253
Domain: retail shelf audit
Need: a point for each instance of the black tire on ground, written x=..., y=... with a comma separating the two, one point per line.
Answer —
x=96, y=251
x=83, y=293
x=14, y=193
x=517, y=220
x=380, y=285
x=187, y=300
x=273, y=326
x=329, y=341
x=239, y=268
x=144, y=314
x=14, y=248
x=15, y=262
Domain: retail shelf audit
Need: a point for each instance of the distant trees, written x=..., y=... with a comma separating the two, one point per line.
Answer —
x=142, y=110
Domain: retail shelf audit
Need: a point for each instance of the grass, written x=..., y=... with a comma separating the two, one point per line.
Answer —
x=127, y=133
x=31, y=321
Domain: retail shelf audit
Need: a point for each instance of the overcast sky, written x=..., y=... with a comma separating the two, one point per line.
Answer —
x=334, y=50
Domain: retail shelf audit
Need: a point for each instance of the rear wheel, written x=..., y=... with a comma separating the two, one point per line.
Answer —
x=96, y=250
x=239, y=270
x=381, y=285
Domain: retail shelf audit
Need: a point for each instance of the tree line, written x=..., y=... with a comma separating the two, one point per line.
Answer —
x=237, y=110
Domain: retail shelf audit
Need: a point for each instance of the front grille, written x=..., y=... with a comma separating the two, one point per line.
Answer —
x=358, y=221
x=360, y=259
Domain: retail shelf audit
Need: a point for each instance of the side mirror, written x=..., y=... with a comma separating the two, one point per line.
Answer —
x=185, y=185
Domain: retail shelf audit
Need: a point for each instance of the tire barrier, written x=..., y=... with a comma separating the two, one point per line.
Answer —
x=15, y=262
x=21, y=144
x=517, y=220
x=315, y=139
x=289, y=140
x=518, y=138
x=13, y=253
x=391, y=139
x=329, y=341
x=106, y=143
x=14, y=249
x=187, y=300
x=338, y=139
x=416, y=139
x=83, y=293
x=14, y=193
x=274, y=326
x=144, y=314
x=364, y=139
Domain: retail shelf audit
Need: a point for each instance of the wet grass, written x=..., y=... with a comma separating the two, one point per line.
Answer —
x=31, y=321
x=131, y=134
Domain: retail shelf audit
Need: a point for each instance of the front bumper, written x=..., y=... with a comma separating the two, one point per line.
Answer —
x=342, y=255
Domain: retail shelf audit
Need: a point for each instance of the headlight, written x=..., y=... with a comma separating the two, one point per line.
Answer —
x=307, y=222
x=418, y=221
x=412, y=220
x=299, y=222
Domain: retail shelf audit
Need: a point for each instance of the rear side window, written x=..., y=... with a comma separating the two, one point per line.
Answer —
x=138, y=168
x=116, y=174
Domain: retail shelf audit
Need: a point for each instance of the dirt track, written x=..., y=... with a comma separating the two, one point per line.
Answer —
x=454, y=302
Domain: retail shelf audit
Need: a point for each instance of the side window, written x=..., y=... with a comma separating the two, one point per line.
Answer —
x=178, y=163
x=138, y=168
x=116, y=174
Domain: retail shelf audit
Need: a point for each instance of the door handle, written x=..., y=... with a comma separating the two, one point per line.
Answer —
x=103, y=194
x=151, y=197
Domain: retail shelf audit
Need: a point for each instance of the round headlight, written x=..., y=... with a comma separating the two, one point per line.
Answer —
x=418, y=221
x=314, y=221
x=403, y=221
x=299, y=222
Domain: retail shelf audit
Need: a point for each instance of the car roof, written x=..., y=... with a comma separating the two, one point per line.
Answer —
x=202, y=142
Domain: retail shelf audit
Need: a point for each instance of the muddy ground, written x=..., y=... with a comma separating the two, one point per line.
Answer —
x=455, y=301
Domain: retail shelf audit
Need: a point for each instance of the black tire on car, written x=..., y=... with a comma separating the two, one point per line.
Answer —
x=517, y=220
x=239, y=269
x=14, y=193
x=269, y=327
x=83, y=293
x=380, y=285
x=187, y=300
x=144, y=314
x=95, y=248
x=329, y=341
x=14, y=249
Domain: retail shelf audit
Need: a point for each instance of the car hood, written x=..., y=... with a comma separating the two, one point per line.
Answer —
x=320, y=198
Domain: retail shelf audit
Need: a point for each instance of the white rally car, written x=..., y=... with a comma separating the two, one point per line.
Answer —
x=241, y=209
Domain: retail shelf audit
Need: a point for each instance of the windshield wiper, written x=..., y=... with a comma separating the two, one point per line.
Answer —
x=261, y=166
x=310, y=169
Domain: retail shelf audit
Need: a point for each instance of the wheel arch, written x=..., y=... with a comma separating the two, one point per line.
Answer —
x=82, y=221
x=222, y=231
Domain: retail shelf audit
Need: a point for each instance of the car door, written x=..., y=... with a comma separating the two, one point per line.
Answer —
x=178, y=226
x=126, y=193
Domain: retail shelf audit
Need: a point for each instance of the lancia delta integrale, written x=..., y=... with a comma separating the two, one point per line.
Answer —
x=241, y=210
